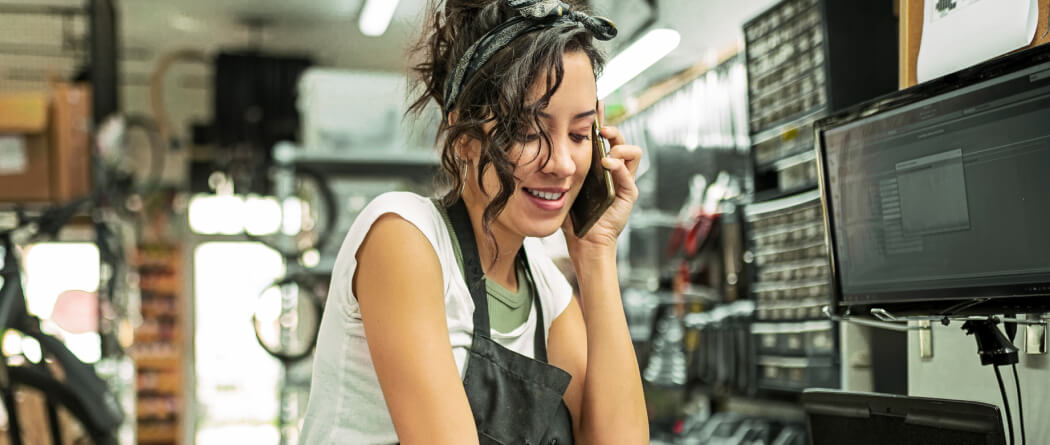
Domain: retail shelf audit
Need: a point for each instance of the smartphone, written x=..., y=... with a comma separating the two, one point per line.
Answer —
x=597, y=193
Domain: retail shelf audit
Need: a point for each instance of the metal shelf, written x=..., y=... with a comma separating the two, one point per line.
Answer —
x=417, y=165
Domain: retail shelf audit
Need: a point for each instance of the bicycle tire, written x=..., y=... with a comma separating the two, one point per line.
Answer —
x=56, y=394
x=306, y=285
x=329, y=217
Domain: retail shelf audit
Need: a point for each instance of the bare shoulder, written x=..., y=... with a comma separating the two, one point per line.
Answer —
x=395, y=249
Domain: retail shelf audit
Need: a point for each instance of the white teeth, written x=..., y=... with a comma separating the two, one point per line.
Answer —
x=545, y=195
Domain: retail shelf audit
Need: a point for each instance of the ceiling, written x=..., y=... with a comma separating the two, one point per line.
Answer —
x=328, y=31
x=328, y=28
x=325, y=29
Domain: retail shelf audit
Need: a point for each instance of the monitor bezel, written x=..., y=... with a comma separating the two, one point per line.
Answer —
x=983, y=300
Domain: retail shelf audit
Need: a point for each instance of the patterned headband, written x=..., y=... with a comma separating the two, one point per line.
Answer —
x=532, y=16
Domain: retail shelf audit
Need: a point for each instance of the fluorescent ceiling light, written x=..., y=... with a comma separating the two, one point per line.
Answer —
x=642, y=54
x=375, y=16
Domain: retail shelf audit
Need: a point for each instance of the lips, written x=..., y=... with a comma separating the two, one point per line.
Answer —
x=547, y=195
x=550, y=199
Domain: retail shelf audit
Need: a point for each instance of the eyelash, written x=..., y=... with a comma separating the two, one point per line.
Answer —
x=578, y=138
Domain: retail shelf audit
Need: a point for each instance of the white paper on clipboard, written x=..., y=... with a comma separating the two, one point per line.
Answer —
x=961, y=33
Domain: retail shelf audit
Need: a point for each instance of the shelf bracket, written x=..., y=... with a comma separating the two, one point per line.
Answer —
x=892, y=325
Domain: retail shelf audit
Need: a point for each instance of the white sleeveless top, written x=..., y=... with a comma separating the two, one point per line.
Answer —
x=346, y=403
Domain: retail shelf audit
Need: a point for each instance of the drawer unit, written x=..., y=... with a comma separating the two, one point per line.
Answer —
x=805, y=339
x=785, y=62
x=790, y=276
x=804, y=59
x=797, y=373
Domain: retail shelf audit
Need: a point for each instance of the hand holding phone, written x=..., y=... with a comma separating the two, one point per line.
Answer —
x=597, y=193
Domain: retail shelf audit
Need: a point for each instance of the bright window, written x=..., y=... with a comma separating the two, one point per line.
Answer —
x=237, y=382
x=52, y=269
x=236, y=214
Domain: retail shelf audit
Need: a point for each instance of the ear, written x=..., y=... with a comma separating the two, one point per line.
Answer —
x=468, y=149
x=463, y=147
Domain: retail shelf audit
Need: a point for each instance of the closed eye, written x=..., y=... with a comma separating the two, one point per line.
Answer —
x=580, y=137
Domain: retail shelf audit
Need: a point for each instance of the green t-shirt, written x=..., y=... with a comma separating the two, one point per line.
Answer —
x=507, y=309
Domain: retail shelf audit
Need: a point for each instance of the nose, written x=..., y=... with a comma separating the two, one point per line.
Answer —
x=561, y=164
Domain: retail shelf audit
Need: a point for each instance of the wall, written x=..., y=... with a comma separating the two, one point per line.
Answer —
x=955, y=372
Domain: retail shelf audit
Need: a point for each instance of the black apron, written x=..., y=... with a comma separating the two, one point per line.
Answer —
x=515, y=400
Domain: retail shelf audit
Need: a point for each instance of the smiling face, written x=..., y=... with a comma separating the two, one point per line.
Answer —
x=546, y=188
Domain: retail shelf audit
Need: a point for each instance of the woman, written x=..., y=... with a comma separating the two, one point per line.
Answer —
x=410, y=352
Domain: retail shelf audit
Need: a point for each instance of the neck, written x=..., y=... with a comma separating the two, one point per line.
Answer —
x=506, y=244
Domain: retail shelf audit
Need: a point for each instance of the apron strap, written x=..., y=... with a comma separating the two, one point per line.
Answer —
x=475, y=280
x=472, y=272
x=540, y=341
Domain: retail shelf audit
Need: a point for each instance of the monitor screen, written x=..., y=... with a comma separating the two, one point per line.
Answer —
x=840, y=417
x=945, y=193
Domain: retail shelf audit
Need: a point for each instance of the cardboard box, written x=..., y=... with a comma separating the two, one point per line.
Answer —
x=45, y=151
x=24, y=158
x=70, y=142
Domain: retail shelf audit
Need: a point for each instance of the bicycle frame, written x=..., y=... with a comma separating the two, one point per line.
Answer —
x=80, y=378
x=10, y=294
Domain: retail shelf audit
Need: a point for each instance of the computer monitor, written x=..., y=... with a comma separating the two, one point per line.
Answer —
x=937, y=198
x=839, y=417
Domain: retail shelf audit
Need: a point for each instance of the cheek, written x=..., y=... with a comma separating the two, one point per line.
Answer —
x=527, y=163
x=491, y=181
x=582, y=158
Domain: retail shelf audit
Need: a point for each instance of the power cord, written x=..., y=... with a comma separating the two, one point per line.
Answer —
x=1006, y=403
x=996, y=349
x=1020, y=408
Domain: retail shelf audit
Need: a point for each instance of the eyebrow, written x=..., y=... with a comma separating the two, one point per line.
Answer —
x=577, y=117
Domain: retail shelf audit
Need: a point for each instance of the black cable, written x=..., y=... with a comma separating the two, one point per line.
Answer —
x=1020, y=408
x=1006, y=403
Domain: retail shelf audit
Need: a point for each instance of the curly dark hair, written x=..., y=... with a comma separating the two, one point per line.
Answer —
x=498, y=93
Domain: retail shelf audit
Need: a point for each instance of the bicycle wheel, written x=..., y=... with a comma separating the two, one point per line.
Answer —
x=47, y=412
x=317, y=215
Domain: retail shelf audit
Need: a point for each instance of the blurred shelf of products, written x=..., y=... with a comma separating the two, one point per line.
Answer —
x=727, y=274
x=159, y=351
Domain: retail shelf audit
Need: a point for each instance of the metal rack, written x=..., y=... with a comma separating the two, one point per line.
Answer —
x=1035, y=335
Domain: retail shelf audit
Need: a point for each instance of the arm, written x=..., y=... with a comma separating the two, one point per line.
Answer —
x=605, y=396
x=398, y=284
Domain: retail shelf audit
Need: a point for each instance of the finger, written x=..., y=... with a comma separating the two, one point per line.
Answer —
x=613, y=135
x=631, y=154
x=601, y=113
x=622, y=176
